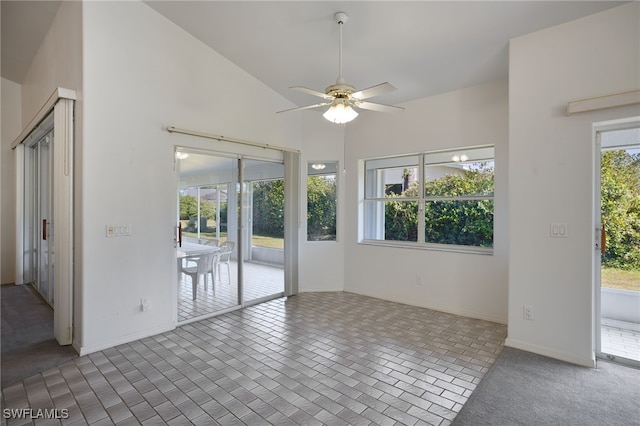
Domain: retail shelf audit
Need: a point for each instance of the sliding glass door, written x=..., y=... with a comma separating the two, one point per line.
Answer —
x=617, y=272
x=208, y=200
x=230, y=245
x=264, y=225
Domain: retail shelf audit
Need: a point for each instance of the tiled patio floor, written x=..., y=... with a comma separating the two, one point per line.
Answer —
x=621, y=340
x=260, y=281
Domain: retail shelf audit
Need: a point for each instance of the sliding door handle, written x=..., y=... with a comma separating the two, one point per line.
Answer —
x=44, y=229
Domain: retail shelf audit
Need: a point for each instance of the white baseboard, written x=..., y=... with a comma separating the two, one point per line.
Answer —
x=440, y=308
x=85, y=350
x=319, y=290
x=551, y=353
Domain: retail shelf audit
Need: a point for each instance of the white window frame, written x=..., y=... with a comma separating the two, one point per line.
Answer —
x=378, y=204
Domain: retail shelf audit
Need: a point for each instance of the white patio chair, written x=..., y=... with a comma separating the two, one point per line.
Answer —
x=204, y=264
x=224, y=257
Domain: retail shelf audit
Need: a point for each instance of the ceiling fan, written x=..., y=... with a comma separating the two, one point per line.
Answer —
x=343, y=97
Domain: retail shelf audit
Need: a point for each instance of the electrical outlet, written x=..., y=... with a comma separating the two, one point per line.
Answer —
x=144, y=305
x=559, y=230
x=528, y=313
x=418, y=279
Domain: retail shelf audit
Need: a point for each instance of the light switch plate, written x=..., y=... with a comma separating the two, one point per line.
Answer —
x=118, y=230
x=559, y=230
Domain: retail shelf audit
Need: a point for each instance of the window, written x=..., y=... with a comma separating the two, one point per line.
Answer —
x=321, y=201
x=438, y=199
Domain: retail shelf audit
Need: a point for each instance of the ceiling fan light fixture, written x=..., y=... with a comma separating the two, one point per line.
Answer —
x=459, y=158
x=340, y=112
x=341, y=96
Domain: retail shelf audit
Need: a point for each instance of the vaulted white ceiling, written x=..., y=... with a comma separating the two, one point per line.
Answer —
x=421, y=47
x=24, y=24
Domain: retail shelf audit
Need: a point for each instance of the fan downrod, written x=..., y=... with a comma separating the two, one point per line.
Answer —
x=341, y=89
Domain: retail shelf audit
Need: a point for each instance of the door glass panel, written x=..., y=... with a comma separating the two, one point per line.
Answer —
x=43, y=196
x=263, y=220
x=620, y=246
x=207, y=277
x=31, y=226
x=38, y=210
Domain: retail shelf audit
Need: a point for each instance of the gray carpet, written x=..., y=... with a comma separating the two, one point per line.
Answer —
x=27, y=343
x=522, y=388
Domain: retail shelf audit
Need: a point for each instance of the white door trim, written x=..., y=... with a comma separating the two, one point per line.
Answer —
x=63, y=217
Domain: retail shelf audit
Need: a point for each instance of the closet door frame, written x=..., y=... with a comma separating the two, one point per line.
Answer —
x=61, y=105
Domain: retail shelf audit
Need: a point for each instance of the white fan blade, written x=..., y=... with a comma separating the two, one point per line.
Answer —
x=311, y=92
x=373, y=91
x=321, y=104
x=377, y=107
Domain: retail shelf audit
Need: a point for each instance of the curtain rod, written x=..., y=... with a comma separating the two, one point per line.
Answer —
x=172, y=129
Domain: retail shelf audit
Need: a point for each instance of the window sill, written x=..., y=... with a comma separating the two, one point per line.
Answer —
x=430, y=247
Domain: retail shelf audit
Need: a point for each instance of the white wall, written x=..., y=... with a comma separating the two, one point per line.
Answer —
x=551, y=173
x=466, y=284
x=141, y=74
x=11, y=128
x=321, y=266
